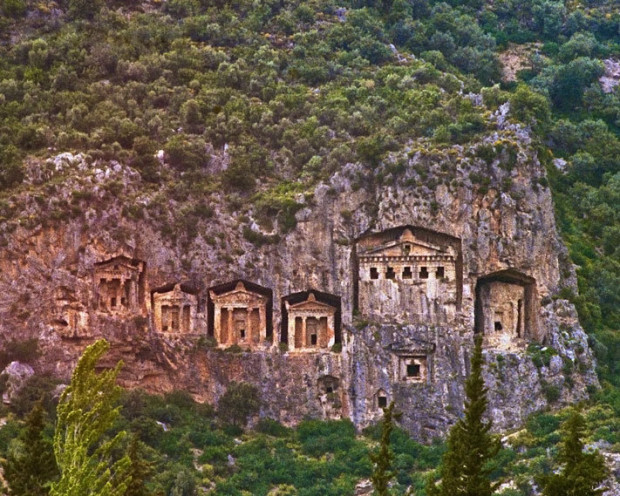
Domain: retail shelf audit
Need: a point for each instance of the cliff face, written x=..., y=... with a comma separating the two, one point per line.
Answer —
x=488, y=260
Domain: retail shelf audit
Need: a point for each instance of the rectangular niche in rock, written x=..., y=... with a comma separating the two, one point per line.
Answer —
x=311, y=321
x=240, y=314
x=120, y=285
x=174, y=309
x=506, y=308
x=409, y=275
x=411, y=361
x=412, y=368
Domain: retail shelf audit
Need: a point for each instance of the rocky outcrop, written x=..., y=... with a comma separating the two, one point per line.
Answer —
x=490, y=200
x=16, y=376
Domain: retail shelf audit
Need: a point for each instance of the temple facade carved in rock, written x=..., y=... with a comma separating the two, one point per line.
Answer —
x=409, y=275
x=175, y=309
x=120, y=285
x=240, y=314
x=506, y=309
x=311, y=323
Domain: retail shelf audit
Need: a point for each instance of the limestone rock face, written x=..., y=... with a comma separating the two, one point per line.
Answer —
x=460, y=244
x=17, y=374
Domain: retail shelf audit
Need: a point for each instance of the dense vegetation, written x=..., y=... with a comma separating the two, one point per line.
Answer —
x=184, y=448
x=288, y=92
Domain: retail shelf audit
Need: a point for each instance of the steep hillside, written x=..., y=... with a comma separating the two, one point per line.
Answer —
x=291, y=147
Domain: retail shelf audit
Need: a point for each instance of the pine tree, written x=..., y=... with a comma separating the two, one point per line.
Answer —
x=465, y=470
x=31, y=471
x=583, y=472
x=384, y=458
x=86, y=410
x=139, y=470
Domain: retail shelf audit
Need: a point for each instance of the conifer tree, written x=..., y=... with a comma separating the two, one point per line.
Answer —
x=582, y=473
x=87, y=409
x=465, y=469
x=31, y=471
x=384, y=458
x=139, y=470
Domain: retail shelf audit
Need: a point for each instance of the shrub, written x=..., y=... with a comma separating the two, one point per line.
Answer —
x=271, y=427
x=238, y=404
x=13, y=8
x=21, y=351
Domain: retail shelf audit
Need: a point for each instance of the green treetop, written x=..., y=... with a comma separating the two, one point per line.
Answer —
x=465, y=470
x=30, y=470
x=384, y=458
x=87, y=409
x=582, y=473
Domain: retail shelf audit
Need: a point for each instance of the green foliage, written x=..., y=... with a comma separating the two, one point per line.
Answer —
x=240, y=402
x=529, y=106
x=30, y=469
x=19, y=351
x=582, y=473
x=11, y=172
x=139, y=469
x=86, y=411
x=38, y=388
x=84, y=9
x=13, y=8
x=383, y=459
x=466, y=469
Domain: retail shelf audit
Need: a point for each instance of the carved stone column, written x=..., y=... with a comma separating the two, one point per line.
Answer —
x=232, y=335
x=304, y=332
x=262, y=323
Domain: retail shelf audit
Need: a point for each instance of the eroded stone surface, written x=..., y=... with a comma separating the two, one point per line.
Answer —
x=417, y=356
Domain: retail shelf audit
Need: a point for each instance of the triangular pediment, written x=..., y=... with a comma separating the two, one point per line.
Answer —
x=405, y=248
x=239, y=294
x=118, y=263
x=313, y=306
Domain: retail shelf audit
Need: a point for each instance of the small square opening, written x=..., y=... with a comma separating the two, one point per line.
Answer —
x=374, y=273
x=313, y=339
x=242, y=333
x=382, y=402
x=329, y=389
x=390, y=274
x=407, y=274
x=407, y=249
x=440, y=272
x=423, y=273
x=498, y=326
x=112, y=302
x=413, y=370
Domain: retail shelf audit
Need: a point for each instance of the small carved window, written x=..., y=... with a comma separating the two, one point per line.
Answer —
x=374, y=273
x=407, y=274
x=498, y=325
x=124, y=302
x=390, y=274
x=242, y=333
x=440, y=272
x=413, y=370
x=113, y=302
x=407, y=249
x=313, y=339
x=423, y=273
x=382, y=402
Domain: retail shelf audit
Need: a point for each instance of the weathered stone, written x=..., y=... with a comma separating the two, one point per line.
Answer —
x=414, y=350
x=17, y=374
